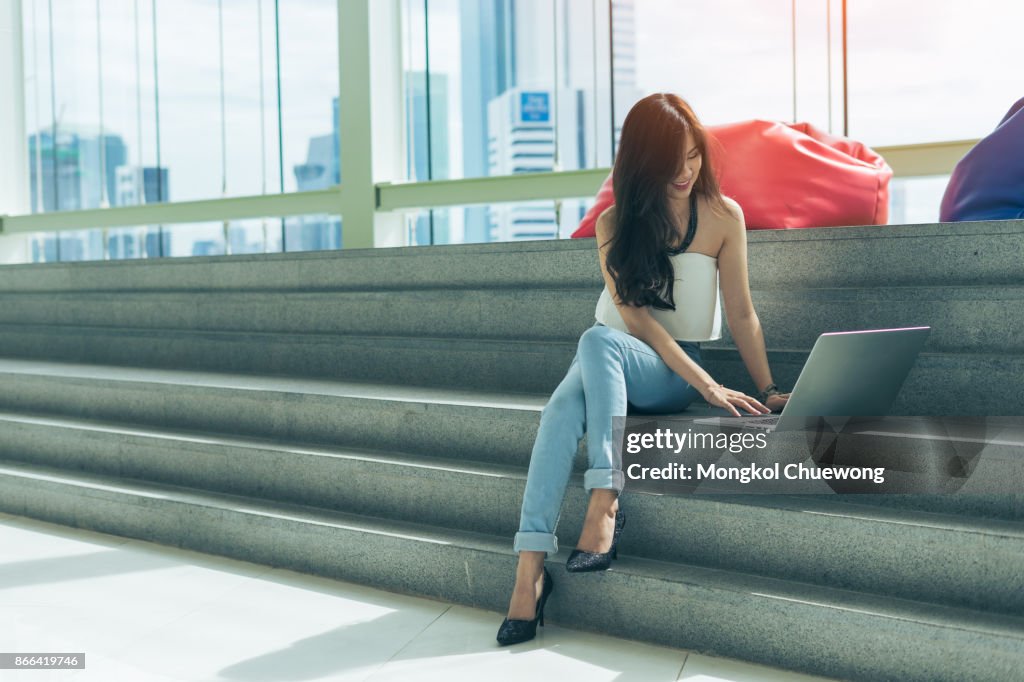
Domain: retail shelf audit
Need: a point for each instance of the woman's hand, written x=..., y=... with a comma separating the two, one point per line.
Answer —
x=777, y=401
x=720, y=396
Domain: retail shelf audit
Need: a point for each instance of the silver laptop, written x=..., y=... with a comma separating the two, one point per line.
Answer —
x=848, y=374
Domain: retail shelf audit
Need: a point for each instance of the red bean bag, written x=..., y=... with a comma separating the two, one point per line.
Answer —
x=788, y=175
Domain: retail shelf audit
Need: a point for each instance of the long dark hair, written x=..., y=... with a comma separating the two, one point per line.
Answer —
x=650, y=156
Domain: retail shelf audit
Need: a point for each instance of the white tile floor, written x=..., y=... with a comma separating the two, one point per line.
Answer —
x=144, y=612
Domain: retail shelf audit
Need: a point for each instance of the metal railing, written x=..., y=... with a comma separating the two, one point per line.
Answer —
x=906, y=161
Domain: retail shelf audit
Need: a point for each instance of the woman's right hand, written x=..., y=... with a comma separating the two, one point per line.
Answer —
x=720, y=396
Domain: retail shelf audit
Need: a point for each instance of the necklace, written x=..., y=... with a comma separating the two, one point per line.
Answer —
x=691, y=227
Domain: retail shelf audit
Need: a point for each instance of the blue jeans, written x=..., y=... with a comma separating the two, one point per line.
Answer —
x=613, y=374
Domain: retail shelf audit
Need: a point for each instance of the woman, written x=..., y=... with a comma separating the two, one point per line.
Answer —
x=643, y=350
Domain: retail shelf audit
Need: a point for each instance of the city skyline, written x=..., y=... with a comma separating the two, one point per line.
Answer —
x=496, y=46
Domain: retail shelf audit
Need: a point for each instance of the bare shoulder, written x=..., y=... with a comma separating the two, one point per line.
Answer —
x=731, y=221
x=735, y=210
x=605, y=225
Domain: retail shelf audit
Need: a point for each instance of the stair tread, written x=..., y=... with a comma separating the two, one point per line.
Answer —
x=285, y=384
x=996, y=291
x=201, y=438
x=922, y=292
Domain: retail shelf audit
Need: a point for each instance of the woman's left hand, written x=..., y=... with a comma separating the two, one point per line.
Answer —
x=776, y=402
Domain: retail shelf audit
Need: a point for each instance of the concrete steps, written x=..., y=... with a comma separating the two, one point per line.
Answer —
x=370, y=414
x=499, y=428
x=419, y=477
x=803, y=627
x=506, y=317
x=939, y=384
x=476, y=426
x=970, y=254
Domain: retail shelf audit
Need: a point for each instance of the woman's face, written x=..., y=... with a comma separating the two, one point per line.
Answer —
x=682, y=184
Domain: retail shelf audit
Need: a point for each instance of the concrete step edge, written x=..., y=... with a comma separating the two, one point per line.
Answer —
x=200, y=440
x=996, y=290
x=509, y=345
x=160, y=378
x=505, y=345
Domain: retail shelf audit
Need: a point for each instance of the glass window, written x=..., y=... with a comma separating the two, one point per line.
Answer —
x=254, y=235
x=308, y=43
x=188, y=79
x=501, y=222
x=947, y=70
x=84, y=155
x=313, y=233
x=139, y=101
x=129, y=100
x=39, y=118
x=915, y=200
x=502, y=86
x=731, y=60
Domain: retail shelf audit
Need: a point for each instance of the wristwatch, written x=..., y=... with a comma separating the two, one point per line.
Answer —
x=769, y=391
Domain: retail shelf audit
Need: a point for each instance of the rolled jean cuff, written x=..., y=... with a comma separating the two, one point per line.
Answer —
x=535, y=542
x=604, y=478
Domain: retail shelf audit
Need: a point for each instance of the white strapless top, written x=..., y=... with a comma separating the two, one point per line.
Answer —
x=698, y=313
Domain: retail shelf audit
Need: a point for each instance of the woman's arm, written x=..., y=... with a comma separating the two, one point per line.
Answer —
x=642, y=325
x=739, y=309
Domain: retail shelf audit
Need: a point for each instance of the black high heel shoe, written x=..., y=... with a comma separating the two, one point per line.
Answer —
x=516, y=631
x=581, y=562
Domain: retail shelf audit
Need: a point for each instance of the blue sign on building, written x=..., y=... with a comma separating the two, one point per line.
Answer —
x=534, y=107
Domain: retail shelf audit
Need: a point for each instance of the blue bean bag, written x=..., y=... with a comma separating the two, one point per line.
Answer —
x=988, y=183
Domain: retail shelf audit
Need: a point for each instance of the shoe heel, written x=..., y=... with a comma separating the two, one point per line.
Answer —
x=621, y=517
x=545, y=592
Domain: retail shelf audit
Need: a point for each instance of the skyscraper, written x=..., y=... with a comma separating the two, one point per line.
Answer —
x=65, y=173
x=487, y=71
x=321, y=170
x=513, y=107
x=86, y=169
x=140, y=185
x=521, y=140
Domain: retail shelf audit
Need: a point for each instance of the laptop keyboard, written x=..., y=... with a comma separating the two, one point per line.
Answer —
x=774, y=419
x=762, y=422
x=759, y=422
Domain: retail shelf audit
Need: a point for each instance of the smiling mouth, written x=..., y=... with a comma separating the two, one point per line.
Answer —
x=681, y=185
